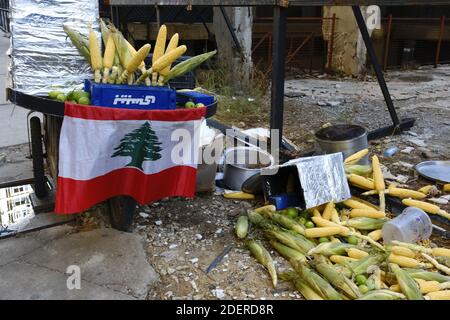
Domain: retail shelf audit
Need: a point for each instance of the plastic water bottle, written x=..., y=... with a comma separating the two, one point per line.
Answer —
x=412, y=225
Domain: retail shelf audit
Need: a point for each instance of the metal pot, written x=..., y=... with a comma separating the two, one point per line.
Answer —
x=241, y=163
x=344, y=138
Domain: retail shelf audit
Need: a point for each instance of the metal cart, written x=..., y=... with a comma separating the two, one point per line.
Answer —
x=120, y=209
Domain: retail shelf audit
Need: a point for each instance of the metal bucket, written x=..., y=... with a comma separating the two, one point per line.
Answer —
x=241, y=163
x=344, y=138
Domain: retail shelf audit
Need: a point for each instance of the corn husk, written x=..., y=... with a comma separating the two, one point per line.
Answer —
x=360, y=170
x=188, y=65
x=241, y=227
x=264, y=257
x=80, y=41
x=294, y=241
x=408, y=285
x=286, y=222
x=301, y=285
x=330, y=248
x=364, y=223
x=287, y=252
x=427, y=275
x=361, y=266
x=382, y=294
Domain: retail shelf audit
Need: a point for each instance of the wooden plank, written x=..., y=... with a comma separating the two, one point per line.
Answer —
x=186, y=31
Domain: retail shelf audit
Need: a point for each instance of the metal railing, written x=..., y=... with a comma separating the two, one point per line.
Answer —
x=4, y=16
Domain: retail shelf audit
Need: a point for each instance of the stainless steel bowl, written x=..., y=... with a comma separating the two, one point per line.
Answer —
x=241, y=163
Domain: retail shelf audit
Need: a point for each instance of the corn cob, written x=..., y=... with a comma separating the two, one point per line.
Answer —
x=96, y=57
x=444, y=252
x=105, y=36
x=260, y=221
x=269, y=207
x=438, y=295
x=403, y=251
x=426, y=190
x=379, y=181
x=316, y=213
x=338, y=280
x=354, y=158
x=367, y=213
x=330, y=248
x=382, y=294
x=322, y=232
x=241, y=227
x=406, y=262
x=427, y=275
x=408, y=286
x=375, y=235
x=301, y=285
x=446, y=187
x=335, y=216
x=286, y=222
x=188, y=65
x=356, y=253
x=426, y=286
x=287, y=252
x=427, y=207
x=360, y=182
x=316, y=282
x=363, y=223
x=296, y=242
x=443, y=260
x=263, y=256
x=158, y=52
x=134, y=63
x=142, y=65
x=362, y=265
x=326, y=214
x=360, y=170
x=239, y=196
x=163, y=62
x=121, y=47
x=79, y=41
x=399, y=193
x=342, y=259
x=108, y=58
x=173, y=43
x=354, y=204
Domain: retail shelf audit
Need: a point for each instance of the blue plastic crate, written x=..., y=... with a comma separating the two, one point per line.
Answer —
x=131, y=97
x=196, y=97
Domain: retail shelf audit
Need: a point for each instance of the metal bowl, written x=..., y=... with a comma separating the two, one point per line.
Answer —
x=241, y=163
x=435, y=170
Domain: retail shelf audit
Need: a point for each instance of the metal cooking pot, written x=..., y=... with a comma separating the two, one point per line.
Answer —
x=241, y=163
x=344, y=138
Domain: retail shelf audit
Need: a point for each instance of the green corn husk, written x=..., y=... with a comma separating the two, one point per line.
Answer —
x=343, y=270
x=80, y=41
x=338, y=280
x=331, y=248
x=364, y=223
x=295, y=241
x=188, y=65
x=427, y=275
x=258, y=220
x=443, y=260
x=408, y=285
x=315, y=281
x=382, y=294
x=360, y=266
x=241, y=227
x=286, y=222
x=105, y=36
x=264, y=257
x=360, y=170
x=301, y=285
x=121, y=47
x=287, y=252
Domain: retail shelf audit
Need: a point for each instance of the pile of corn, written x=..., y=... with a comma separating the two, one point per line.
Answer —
x=121, y=63
x=337, y=252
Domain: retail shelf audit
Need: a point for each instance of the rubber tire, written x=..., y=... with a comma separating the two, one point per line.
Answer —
x=40, y=188
x=121, y=212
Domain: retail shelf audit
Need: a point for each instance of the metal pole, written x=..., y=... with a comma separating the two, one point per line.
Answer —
x=278, y=60
x=231, y=29
x=376, y=66
x=441, y=35
x=386, y=43
x=330, y=53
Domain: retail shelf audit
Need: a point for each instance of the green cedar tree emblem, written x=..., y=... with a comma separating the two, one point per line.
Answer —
x=141, y=145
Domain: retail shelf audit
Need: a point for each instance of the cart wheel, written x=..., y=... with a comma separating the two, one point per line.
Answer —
x=121, y=212
x=40, y=188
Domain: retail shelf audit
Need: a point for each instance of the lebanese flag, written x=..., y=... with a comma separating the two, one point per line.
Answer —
x=107, y=152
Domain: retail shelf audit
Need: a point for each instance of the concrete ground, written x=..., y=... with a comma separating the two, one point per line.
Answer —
x=113, y=265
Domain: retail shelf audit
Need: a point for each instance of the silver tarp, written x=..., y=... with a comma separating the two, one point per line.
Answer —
x=322, y=178
x=42, y=57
